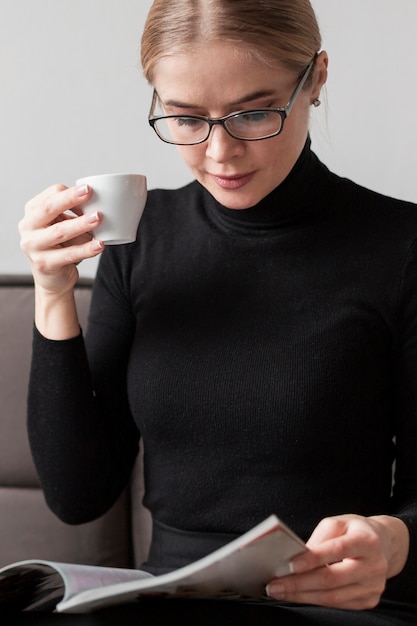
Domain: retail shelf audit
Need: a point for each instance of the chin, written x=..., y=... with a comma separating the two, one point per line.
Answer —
x=236, y=200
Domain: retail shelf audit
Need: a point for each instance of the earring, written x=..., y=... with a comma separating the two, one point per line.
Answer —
x=316, y=102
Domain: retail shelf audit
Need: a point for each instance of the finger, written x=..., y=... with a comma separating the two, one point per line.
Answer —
x=335, y=539
x=326, y=553
x=328, y=528
x=45, y=193
x=64, y=231
x=57, y=258
x=343, y=585
x=357, y=597
x=338, y=574
x=44, y=208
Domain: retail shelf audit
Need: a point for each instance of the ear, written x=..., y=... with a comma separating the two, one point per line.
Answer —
x=320, y=75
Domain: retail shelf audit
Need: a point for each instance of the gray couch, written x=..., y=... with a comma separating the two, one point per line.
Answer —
x=28, y=529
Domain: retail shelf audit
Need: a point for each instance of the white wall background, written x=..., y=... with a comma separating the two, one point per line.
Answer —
x=73, y=101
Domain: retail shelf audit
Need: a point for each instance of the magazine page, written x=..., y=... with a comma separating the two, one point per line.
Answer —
x=39, y=584
x=241, y=568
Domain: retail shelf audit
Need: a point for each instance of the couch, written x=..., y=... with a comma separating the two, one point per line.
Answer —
x=28, y=529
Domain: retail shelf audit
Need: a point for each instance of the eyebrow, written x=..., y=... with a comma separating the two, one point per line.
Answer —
x=246, y=98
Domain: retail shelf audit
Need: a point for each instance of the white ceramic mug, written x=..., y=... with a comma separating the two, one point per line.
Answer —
x=121, y=199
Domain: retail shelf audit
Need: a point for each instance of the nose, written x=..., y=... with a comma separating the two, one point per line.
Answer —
x=221, y=147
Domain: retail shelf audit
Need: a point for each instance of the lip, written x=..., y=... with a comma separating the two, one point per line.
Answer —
x=232, y=182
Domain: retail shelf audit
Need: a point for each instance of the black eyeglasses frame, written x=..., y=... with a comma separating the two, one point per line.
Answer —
x=222, y=121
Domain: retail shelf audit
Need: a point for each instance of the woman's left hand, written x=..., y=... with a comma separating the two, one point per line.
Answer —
x=348, y=562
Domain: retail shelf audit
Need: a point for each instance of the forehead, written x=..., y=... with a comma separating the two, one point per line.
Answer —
x=217, y=73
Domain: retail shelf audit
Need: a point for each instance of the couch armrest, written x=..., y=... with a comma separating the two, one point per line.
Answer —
x=28, y=529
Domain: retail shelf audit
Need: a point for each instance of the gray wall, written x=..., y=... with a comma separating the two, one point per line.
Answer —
x=73, y=101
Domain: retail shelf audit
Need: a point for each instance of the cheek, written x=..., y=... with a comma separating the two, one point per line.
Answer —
x=193, y=156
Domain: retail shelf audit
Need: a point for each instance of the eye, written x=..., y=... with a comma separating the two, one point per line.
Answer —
x=182, y=128
x=255, y=124
x=184, y=121
x=254, y=117
x=188, y=122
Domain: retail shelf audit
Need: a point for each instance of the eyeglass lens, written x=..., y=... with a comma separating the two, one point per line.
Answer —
x=247, y=125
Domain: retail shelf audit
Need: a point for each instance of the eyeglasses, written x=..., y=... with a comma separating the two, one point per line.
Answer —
x=251, y=125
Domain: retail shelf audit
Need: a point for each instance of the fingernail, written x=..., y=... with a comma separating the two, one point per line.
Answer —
x=81, y=190
x=276, y=591
x=97, y=245
x=298, y=567
x=92, y=217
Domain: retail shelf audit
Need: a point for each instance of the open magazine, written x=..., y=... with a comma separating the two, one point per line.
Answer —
x=241, y=568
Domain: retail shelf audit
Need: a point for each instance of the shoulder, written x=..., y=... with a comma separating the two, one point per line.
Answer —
x=366, y=207
x=348, y=191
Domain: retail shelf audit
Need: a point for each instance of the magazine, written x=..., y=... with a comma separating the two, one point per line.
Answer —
x=241, y=568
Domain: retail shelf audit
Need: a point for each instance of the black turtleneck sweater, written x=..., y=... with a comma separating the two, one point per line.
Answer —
x=267, y=357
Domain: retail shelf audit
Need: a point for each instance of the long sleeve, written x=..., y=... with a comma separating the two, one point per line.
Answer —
x=82, y=435
x=404, y=499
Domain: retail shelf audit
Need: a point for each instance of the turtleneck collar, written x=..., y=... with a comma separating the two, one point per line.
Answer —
x=282, y=207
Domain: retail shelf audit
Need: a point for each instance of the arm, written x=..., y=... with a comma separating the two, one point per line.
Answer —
x=82, y=436
x=82, y=452
x=353, y=560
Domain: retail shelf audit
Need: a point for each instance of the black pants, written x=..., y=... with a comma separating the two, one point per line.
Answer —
x=173, y=612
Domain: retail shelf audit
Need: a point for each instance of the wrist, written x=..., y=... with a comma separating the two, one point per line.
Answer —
x=396, y=541
x=56, y=314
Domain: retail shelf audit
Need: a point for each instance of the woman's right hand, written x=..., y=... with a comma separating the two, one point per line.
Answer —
x=56, y=236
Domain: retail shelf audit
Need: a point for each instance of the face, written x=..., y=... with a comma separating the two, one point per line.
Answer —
x=216, y=80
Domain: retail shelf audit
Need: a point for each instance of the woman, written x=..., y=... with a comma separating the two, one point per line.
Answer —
x=259, y=336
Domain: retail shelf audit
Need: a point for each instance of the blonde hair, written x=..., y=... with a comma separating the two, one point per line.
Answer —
x=270, y=30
